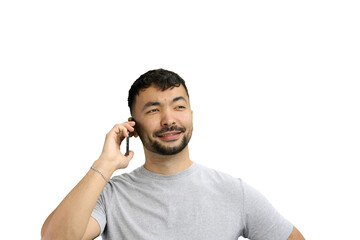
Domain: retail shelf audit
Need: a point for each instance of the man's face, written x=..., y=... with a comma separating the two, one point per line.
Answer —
x=163, y=119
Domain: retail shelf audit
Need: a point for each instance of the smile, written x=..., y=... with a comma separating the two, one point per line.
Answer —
x=168, y=136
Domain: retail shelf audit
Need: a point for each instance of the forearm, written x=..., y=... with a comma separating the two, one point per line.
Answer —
x=70, y=218
x=296, y=235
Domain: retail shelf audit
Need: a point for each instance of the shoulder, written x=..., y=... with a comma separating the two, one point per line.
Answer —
x=132, y=176
x=118, y=182
x=215, y=174
x=220, y=178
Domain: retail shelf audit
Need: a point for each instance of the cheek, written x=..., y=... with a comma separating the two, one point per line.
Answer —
x=187, y=121
x=145, y=127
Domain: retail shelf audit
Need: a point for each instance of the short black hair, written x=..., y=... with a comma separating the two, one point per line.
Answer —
x=162, y=78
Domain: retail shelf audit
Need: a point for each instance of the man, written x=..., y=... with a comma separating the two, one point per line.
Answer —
x=170, y=196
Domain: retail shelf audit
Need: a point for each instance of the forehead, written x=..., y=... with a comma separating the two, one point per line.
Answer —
x=154, y=94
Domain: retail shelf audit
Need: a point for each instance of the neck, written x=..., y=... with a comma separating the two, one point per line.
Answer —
x=167, y=164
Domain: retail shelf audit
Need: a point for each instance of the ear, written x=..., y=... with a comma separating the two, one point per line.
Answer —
x=135, y=134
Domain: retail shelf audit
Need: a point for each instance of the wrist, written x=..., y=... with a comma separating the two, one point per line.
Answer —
x=104, y=167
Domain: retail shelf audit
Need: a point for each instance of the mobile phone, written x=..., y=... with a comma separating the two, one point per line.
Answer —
x=127, y=144
x=127, y=139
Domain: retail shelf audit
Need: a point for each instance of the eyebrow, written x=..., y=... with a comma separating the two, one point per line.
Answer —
x=150, y=104
x=179, y=98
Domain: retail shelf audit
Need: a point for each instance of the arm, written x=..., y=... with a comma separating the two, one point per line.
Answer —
x=263, y=221
x=72, y=218
x=296, y=235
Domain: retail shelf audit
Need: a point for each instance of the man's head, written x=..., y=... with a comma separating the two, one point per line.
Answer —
x=159, y=103
x=161, y=78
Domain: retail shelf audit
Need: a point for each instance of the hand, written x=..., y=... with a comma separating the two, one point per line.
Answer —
x=111, y=158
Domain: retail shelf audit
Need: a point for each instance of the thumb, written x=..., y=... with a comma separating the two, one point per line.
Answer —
x=130, y=156
x=125, y=160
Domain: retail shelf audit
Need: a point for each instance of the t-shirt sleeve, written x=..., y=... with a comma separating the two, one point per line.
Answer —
x=99, y=211
x=262, y=220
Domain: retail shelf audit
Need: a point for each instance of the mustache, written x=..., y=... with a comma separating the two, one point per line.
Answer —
x=169, y=129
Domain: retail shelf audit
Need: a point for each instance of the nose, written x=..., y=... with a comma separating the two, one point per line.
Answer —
x=167, y=119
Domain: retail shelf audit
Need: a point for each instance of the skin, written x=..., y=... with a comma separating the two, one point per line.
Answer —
x=296, y=235
x=155, y=112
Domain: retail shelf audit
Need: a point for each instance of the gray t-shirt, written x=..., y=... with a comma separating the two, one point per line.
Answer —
x=197, y=203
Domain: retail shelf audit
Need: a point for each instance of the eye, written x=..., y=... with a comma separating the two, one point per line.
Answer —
x=153, y=110
x=180, y=107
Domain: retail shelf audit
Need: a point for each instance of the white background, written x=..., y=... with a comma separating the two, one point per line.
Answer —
x=274, y=86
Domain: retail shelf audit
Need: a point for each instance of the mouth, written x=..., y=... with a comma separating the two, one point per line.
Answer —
x=170, y=135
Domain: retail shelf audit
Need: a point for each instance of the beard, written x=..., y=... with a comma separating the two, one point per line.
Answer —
x=156, y=146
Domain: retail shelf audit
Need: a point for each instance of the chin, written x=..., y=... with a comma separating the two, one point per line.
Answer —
x=160, y=148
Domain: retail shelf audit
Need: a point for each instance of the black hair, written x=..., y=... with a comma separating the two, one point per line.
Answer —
x=162, y=78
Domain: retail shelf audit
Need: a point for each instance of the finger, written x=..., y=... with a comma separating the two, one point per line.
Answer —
x=120, y=131
x=117, y=133
x=130, y=156
x=125, y=132
x=118, y=128
x=122, y=128
x=129, y=125
x=133, y=133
